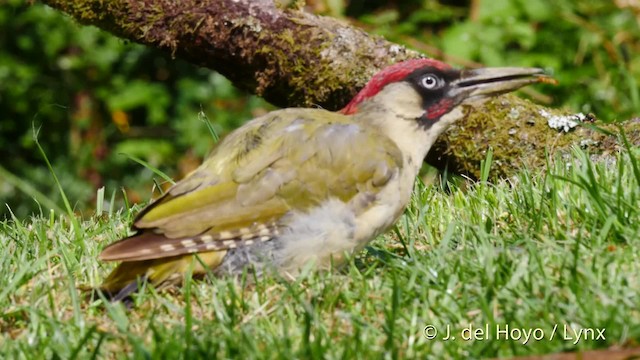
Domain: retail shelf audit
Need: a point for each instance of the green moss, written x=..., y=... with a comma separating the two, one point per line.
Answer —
x=520, y=137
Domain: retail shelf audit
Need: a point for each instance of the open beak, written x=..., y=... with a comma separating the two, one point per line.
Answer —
x=477, y=84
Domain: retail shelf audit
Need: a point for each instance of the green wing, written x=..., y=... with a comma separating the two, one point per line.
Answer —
x=287, y=160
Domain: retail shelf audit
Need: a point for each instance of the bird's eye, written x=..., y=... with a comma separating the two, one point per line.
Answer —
x=430, y=81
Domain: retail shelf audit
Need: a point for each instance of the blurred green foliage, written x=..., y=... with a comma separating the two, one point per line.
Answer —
x=95, y=97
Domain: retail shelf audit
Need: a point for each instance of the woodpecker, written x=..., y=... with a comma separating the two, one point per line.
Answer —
x=303, y=187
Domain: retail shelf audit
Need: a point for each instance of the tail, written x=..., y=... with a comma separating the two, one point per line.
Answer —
x=127, y=278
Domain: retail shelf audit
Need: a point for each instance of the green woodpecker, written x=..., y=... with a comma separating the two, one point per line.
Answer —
x=303, y=186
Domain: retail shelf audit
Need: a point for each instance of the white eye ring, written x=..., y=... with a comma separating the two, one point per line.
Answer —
x=430, y=81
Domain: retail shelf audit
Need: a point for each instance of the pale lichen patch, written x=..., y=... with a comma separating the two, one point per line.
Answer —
x=563, y=122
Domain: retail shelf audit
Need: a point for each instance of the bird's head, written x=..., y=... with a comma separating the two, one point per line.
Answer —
x=430, y=92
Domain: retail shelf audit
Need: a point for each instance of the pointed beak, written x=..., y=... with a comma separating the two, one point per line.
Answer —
x=477, y=84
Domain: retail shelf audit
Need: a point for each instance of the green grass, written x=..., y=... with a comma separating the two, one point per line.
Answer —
x=560, y=246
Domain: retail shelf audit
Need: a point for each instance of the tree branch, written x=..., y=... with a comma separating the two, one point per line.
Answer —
x=292, y=58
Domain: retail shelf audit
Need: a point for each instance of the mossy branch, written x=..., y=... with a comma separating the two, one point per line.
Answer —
x=293, y=58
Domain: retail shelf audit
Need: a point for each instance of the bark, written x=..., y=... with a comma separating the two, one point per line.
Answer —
x=293, y=58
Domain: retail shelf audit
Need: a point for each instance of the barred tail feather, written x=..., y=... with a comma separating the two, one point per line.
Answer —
x=149, y=245
x=128, y=276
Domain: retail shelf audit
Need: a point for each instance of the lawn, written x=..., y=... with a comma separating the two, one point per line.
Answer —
x=546, y=261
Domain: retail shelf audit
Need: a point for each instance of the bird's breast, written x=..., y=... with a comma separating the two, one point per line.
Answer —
x=323, y=235
x=327, y=233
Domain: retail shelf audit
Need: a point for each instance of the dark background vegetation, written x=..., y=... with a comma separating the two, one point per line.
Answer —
x=97, y=101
